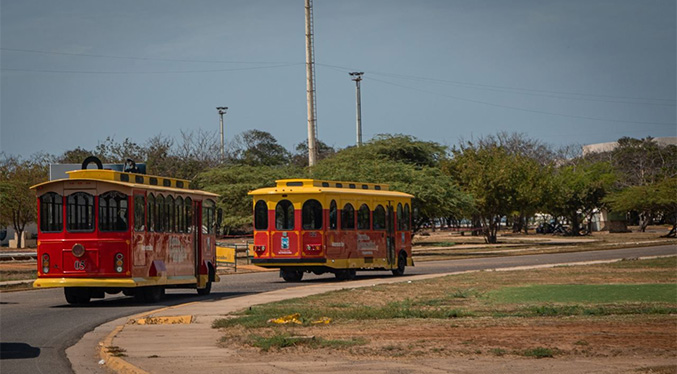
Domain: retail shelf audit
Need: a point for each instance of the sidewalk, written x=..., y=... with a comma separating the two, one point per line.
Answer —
x=180, y=339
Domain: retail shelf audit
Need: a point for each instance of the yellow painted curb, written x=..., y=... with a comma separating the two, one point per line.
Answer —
x=113, y=362
x=176, y=320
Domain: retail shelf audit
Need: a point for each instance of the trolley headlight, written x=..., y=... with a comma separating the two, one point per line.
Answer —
x=119, y=262
x=78, y=250
x=45, y=263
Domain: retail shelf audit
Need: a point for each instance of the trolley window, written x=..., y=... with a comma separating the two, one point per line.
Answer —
x=399, y=217
x=171, y=214
x=379, y=218
x=208, y=214
x=333, y=215
x=407, y=217
x=160, y=209
x=284, y=215
x=113, y=211
x=139, y=212
x=363, y=217
x=189, y=215
x=180, y=211
x=348, y=217
x=152, y=212
x=261, y=215
x=311, y=215
x=51, y=212
x=80, y=212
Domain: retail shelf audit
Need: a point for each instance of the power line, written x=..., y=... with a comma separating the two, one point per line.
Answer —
x=146, y=72
x=523, y=109
x=525, y=91
x=142, y=58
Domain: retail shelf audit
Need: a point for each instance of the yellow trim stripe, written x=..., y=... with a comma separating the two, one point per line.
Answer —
x=112, y=282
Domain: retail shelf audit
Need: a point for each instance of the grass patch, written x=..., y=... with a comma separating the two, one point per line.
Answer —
x=586, y=293
x=283, y=340
x=256, y=317
x=539, y=352
x=116, y=351
x=10, y=275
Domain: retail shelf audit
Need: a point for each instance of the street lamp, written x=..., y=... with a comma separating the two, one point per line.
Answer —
x=357, y=77
x=222, y=111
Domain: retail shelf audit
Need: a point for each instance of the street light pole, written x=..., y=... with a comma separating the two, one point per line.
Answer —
x=222, y=111
x=357, y=77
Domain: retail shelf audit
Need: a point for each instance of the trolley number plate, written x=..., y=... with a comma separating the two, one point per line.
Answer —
x=79, y=265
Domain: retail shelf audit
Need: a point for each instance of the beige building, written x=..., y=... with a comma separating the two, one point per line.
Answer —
x=606, y=147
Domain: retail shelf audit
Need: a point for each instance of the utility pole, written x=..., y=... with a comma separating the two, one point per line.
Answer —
x=310, y=85
x=357, y=77
x=222, y=111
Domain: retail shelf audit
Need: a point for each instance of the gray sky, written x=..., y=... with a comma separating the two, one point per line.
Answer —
x=562, y=71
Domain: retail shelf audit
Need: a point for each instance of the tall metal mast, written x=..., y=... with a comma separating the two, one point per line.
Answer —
x=310, y=84
x=357, y=77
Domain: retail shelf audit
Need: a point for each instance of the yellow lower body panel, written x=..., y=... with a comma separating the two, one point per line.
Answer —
x=357, y=263
x=112, y=282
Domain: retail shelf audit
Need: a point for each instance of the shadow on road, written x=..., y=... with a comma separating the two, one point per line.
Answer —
x=17, y=351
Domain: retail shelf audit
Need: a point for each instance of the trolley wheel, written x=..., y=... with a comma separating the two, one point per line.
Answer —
x=401, y=264
x=348, y=274
x=75, y=295
x=206, y=290
x=291, y=275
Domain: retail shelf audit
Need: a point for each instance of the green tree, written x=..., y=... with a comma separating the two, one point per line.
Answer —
x=578, y=189
x=258, y=148
x=435, y=194
x=17, y=200
x=655, y=198
x=486, y=174
x=300, y=157
x=232, y=183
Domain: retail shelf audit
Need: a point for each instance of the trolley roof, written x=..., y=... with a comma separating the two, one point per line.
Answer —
x=133, y=180
x=301, y=186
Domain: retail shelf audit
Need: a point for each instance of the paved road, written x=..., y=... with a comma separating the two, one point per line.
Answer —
x=37, y=326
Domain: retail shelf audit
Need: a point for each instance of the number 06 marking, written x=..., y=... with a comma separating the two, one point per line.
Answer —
x=79, y=265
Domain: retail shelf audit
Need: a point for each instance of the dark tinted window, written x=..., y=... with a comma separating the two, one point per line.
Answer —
x=407, y=217
x=160, y=209
x=180, y=211
x=399, y=218
x=189, y=215
x=363, y=217
x=379, y=218
x=113, y=211
x=261, y=215
x=333, y=216
x=171, y=214
x=311, y=215
x=151, y=217
x=348, y=217
x=80, y=212
x=51, y=212
x=284, y=215
x=139, y=212
x=208, y=216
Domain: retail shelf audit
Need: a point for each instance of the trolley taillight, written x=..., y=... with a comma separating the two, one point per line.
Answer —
x=45, y=263
x=119, y=262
